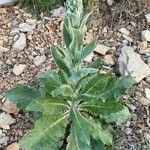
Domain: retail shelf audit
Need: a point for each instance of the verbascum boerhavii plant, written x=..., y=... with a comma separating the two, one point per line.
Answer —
x=76, y=103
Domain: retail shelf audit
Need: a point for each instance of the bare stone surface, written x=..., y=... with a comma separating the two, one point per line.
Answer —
x=147, y=93
x=6, y=119
x=18, y=69
x=148, y=17
x=101, y=49
x=25, y=27
x=9, y=107
x=145, y=35
x=6, y=2
x=13, y=146
x=39, y=60
x=124, y=31
x=20, y=44
x=130, y=63
x=108, y=60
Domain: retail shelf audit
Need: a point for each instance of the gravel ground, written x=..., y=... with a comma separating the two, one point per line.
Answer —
x=36, y=39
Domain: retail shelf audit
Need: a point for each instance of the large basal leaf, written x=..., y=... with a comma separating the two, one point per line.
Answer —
x=117, y=86
x=22, y=95
x=84, y=128
x=80, y=127
x=102, y=108
x=105, y=87
x=58, y=60
x=48, y=105
x=48, y=84
x=87, y=50
x=48, y=80
x=75, y=143
x=96, y=144
x=95, y=85
x=46, y=134
x=63, y=90
x=118, y=117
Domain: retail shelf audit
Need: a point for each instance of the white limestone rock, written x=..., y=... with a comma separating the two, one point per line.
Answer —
x=39, y=60
x=19, y=69
x=20, y=44
x=145, y=35
x=130, y=63
x=101, y=49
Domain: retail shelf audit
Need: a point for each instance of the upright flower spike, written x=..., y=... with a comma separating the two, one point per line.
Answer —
x=74, y=6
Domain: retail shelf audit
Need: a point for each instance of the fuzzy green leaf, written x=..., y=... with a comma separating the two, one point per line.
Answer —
x=95, y=85
x=22, y=95
x=83, y=21
x=66, y=31
x=87, y=50
x=84, y=127
x=63, y=77
x=81, y=73
x=76, y=43
x=95, y=64
x=118, y=117
x=80, y=127
x=75, y=143
x=63, y=90
x=97, y=144
x=105, y=87
x=58, y=60
x=46, y=134
x=102, y=108
x=48, y=105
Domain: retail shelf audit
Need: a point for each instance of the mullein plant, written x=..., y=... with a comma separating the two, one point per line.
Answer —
x=76, y=103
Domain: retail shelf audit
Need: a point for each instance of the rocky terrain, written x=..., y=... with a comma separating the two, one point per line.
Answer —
x=124, y=47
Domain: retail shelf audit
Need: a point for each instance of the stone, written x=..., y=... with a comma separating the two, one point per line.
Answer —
x=128, y=131
x=57, y=12
x=4, y=140
x=31, y=21
x=10, y=107
x=6, y=119
x=39, y=60
x=148, y=17
x=89, y=58
x=108, y=60
x=1, y=132
x=25, y=27
x=124, y=31
x=144, y=101
x=3, y=50
x=130, y=63
x=147, y=93
x=6, y=2
x=101, y=49
x=147, y=136
x=145, y=35
x=3, y=11
x=143, y=47
x=20, y=44
x=127, y=38
x=5, y=127
x=19, y=69
x=110, y=2
x=13, y=146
